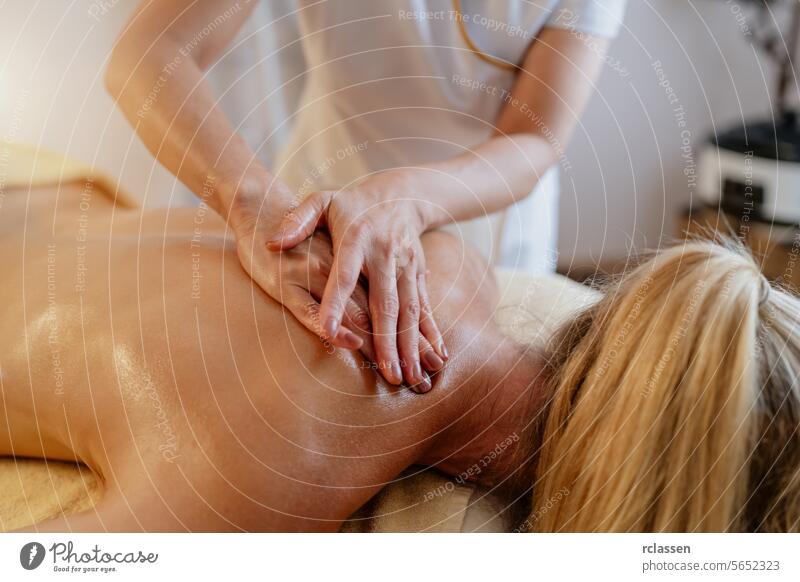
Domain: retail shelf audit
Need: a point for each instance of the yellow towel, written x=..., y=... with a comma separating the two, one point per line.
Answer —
x=34, y=490
x=23, y=165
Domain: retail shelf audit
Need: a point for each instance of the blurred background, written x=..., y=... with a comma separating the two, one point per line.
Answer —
x=680, y=71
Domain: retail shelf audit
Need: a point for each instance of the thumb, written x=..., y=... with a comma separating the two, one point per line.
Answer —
x=300, y=223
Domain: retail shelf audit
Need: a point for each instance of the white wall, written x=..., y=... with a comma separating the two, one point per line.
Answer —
x=626, y=183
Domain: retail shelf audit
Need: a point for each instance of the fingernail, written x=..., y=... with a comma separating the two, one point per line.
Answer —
x=416, y=372
x=351, y=338
x=443, y=351
x=432, y=361
x=330, y=326
x=397, y=374
x=424, y=386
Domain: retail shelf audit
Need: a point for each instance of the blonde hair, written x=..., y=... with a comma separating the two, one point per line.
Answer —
x=675, y=403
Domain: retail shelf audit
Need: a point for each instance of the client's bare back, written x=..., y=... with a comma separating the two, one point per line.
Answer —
x=134, y=342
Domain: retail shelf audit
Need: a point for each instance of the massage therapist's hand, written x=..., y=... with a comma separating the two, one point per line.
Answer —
x=376, y=228
x=295, y=278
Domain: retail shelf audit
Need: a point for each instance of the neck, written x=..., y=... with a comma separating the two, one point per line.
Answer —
x=491, y=437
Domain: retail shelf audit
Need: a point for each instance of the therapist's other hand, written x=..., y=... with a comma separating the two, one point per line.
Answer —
x=296, y=278
x=376, y=228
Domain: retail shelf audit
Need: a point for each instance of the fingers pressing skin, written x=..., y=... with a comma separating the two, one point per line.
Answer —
x=357, y=335
x=356, y=318
x=427, y=324
x=342, y=281
x=430, y=361
x=408, y=329
x=306, y=309
x=384, y=308
x=395, y=328
x=428, y=357
x=356, y=315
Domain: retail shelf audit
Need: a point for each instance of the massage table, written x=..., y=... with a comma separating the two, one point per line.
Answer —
x=531, y=307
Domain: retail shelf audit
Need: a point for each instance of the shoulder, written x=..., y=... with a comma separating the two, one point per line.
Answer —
x=461, y=283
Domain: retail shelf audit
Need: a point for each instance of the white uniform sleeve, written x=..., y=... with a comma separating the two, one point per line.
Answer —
x=594, y=17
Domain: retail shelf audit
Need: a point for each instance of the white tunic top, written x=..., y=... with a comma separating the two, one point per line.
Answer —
x=379, y=84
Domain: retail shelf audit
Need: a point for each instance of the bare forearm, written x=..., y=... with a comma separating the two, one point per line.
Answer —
x=490, y=177
x=156, y=76
x=172, y=110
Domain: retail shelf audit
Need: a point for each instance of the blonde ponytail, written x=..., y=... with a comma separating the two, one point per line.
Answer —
x=675, y=403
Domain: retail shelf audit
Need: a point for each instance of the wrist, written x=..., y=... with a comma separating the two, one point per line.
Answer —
x=424, y=196
x=399, y=188
x=231, y=189
x=256, y=197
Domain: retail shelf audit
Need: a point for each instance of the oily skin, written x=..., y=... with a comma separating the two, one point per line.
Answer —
x=202, y=404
